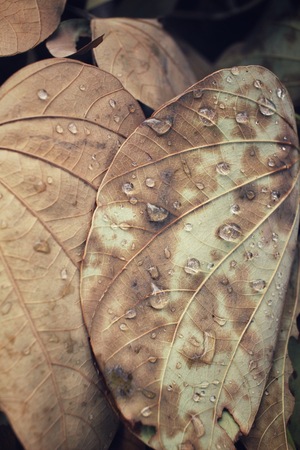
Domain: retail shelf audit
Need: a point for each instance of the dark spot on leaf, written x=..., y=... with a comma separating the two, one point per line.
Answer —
x=119, y=381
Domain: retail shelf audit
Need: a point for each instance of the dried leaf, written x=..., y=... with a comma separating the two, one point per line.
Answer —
x=196, y=218
x=58, y=134
x=143, y=57
x=26, y=23
x=277, y=402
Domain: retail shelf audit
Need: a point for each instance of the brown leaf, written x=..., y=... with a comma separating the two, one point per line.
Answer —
x=143, y=57
x=58, y=134
x=26, y=23
x=277, y=402
x=196, y=218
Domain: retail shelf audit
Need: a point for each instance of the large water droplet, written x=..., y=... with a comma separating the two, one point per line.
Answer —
x=150, y=183
x=146, y=412
x=167, y=253
x=42, y=247
x=72, y=128
x=266, y=106
x=127, y=187
x=223, y=168
x=160, y=126
x=229, y=232
x=242, y=117
x=158, y=299
x=258, y=285
x=42, y=94
x=207, y=116
x=192, y=266
x=156, y=213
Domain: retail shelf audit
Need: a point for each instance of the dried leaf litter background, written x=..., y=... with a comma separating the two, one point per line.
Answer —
x=143, y=57
x=26, y=23
x=180, y=328
x=61, y=122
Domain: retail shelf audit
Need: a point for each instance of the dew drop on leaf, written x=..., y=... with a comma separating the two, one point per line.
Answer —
x=242, y=117
x=197, y=93
x=42, y=247
x=150, y=182
x=72, y=128
x=188, y=227
x=130, y=314
x=6, y=307
x=192, y=266
x=266, y=106
x=156, y=213
x=258, y=285
x=146, y=412
x=257, y=84
x=235, y=209
x=42, y=94
x=127, y=187
x=281, y=93
x=123, y=327
x=59, y=129
x=112, y=102
x=207, y=116
x=229, y=232
x=160, y=126
x=223, y=168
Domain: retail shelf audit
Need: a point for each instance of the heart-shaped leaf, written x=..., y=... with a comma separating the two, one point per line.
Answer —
x=26, y=23
x=196, y=218
x=143, y=57
x=58, y=134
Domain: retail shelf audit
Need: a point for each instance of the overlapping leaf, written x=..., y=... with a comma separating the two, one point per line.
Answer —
x=61, y=122
x=143, y=57
x=194, y=233
x=26, y=23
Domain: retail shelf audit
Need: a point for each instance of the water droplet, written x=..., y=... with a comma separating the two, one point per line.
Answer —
x=26, y=351
x=229, y=79
x=220, y=320
x=158, y=299
x=207, y=116
x=91, y=416
x=42, y=94
x=117, y=119
x=274, y=237
x=266, y=106
x=281, y=93
x=123, y=327
x=216, y=382
x=42, y=247
x=198, y=93
x=112, y=103
x=39, y=186
x=209, y=266
x=192, y=266
x=72, y=128
x=146, y=412
x=178, y=365
x=250, y=194
x=196, y=397
x=64, y=274
x=275, y=196
x=133, y=200
x=153, y=271
x=267, y=392
x=82, y=87
x=6, y=307
x=127, y=187
x=258, y=285
x=160, y=126
x=167, y=253
x=176, y=205
x=242, y=117
x=235, y=209
x=257, y=84
x=153, y=335
x=235, y=71
x=271, y=162
x=130, y=314
x=252, y=365
x=188, y=227
x=131, y=108
x=148, y=394
x=59, y=129
x=198, y=426
x=156, y=213
x=229, y=232
x=150, y=182
x=248, y=256
x=223, y=168
x=200, y=185
x=49, y=180
x=152, y=359
x=212, y=398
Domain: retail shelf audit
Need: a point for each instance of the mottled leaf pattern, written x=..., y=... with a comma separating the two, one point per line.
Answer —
x=196, y=220
x=143, y=57
x=58, y=134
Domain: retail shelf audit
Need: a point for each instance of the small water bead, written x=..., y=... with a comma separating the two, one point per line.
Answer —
x=176, y=205
x=242, y=117
x=42, y=247
x=188, y=227
x=281, y=93
x=229, y=79
x=178, y=365
x=213, y=398
x=117, y=119
x=112, y=102
x=229, y=232
x=130, y=314
x=59, y=129
x=223, y=168
x=72, y=128
x=250, y=194
x=258, y=285
x=153, y=335
x=275, y=196
x=146, y=412
x=235, y=71
x=26, y=351
x=198, y=93
x=40, y=186
x=160, y=126
x=220, y=320
x=235, y=209
x=257, y=84
x=152, y=359
x=221, y=106
x=209, y=266
x=207, y=116
x=82, y=87
x=196, y=397
x=274, y=237
x=123, y=327
x=156, y=213
x=271, y=162
x=266, y=106
x=64, y=274
x=42, y=94
x=127, y=188
x=192, y=266
x=248, y=256
x=167, y=253
x=200, y=185
x=131, y=108
x=133, y=200
x=150, y=183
